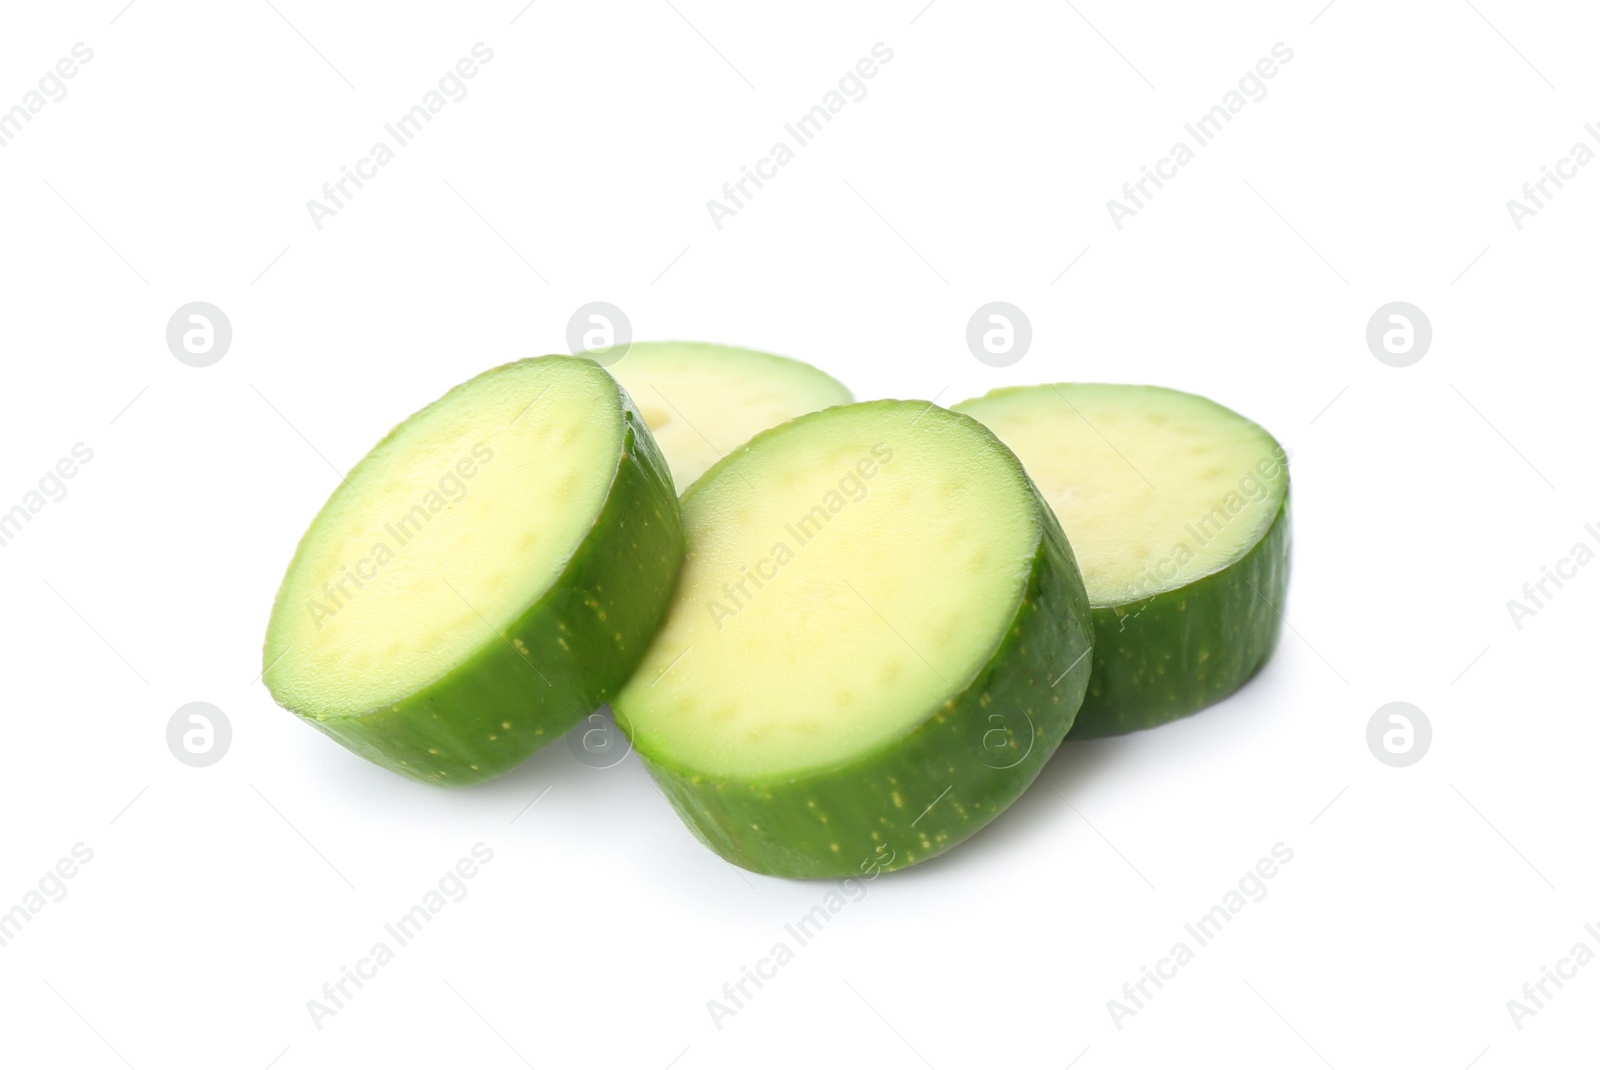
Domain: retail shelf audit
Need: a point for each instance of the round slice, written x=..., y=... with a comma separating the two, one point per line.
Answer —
x=701, y=400
x=490, y=573
x=1178, y=511
x=878, y=638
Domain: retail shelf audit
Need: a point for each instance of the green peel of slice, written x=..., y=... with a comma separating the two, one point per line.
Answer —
x=486, y=576
x=878, y=638
x=1178, y=511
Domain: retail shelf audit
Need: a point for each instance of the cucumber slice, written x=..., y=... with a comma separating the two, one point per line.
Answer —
x=878, y=639
x=702, y=401
x=1178, y=510
x=490, y=573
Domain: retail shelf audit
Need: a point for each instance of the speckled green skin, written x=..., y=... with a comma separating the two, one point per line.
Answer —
x=1175, y=654
x=923, y=794
x=567, y=653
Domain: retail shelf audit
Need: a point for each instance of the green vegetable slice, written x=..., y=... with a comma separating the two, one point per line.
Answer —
x=1178, y=511
x=878, y=639
x=491, y=572
x=702, y=400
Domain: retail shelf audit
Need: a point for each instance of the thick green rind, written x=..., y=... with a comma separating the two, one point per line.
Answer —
x=567, y=654
x=1172, y=655
x=923, y=794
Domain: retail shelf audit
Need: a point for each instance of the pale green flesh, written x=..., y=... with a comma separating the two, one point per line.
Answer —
x=1155, y=488
x=443, y=535
x=701, y=401
x=847, y=574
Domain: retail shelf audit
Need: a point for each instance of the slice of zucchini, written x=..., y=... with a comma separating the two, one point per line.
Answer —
x=490, y=573
x=878, y=639
x=702, y=400
x=1178, y=511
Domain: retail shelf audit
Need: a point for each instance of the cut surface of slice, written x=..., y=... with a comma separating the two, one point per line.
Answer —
x=483, y=578
x=702, y=400
x=877, y=613
x=1178, y=511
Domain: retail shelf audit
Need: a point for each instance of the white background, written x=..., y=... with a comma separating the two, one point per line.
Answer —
x=219, y=900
